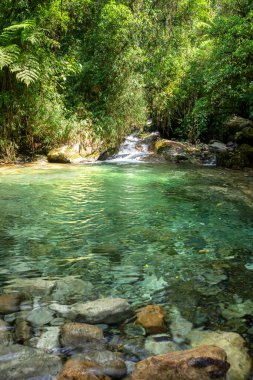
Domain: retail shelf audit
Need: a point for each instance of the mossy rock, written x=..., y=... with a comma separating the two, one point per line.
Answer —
x=64, y=155
x=232, y=160
x=247, y=151
x=236, y=124
x=108, y=153
x=162, y=146
x=245, y=136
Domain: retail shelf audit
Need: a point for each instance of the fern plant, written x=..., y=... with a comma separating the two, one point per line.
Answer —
x=19, y=45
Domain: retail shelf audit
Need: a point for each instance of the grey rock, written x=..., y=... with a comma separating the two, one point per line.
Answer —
x=63, y=311
x=31, y=286
x=160, y=344
x=111, y=362
x=179, y=326
x=104, y=310
x=71, y=289
x=49, y=339
x=18, y=362
x=217, y=146
x=40, y=316
x=134, y=330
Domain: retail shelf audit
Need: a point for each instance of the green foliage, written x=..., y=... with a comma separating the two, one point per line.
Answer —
x=73, y=68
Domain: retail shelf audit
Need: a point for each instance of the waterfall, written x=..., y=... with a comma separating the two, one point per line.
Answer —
x=133, y=149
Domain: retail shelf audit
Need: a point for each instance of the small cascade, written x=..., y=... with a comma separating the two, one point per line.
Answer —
x=133, y=149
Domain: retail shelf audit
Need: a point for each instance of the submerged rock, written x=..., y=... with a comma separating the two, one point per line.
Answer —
x=9, y=303
x=31, y=286
x=71, y=289
x=40, y=316
x=152, y=318
x=237, y=310
x=179, y=326
x=160, y=344
x=104, y=310
x=81, y=369
x=18, y=362
x=49, y=339
x=205, y=363
x=111, y=362
x=232, y=343
x=5, y=333
x=23, y=331
x=78, y=334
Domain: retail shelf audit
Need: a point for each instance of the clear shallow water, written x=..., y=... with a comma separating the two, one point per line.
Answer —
x=149, y=233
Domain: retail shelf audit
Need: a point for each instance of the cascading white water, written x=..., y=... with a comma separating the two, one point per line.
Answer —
x=132, y=149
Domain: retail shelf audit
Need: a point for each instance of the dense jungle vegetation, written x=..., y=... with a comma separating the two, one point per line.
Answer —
x=90, y=70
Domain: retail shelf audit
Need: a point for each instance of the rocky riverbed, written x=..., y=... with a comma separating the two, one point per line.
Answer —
x=54, y=328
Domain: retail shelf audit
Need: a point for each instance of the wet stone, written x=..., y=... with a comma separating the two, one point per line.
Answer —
x=152, y=318
x=81, y=369
x=104, y=310
x=134, y=330
x=160, y=344
x=5, y=333
x=18, y=362
x=71, y=289
x=31, y=286
x=23, y=331
x=78, y=334
x=232, y=343
x=64, y=311
x=49, y=339
x=179, y=326
x=40, y=316
x=9, y=303
x=202, y=363
x=111, y=362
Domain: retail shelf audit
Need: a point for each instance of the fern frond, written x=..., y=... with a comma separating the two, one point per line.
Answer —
x=11, y=32
x=27, y=69
x=8, y=55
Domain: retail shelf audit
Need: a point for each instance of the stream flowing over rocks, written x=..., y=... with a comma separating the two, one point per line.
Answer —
x=52, y=331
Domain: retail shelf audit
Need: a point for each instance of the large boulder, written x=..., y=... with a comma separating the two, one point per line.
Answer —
x=232, y=343
x=20, y=362
x=81, y=369
x=172, y=151
x=65, y=155
x=152, y=318
x=236, y=124
x=104, y=310
x=202, y=363
x=77, y=153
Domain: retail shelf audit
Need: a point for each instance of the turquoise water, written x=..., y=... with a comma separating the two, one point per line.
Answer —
x=149, y=233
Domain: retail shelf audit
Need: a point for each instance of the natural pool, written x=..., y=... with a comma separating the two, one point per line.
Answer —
x=146, y=232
